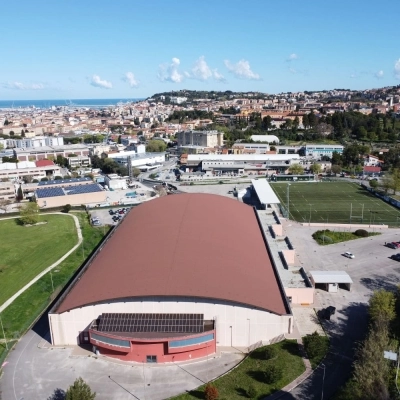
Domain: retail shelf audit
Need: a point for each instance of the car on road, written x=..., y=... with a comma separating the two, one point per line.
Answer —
x=348, y=254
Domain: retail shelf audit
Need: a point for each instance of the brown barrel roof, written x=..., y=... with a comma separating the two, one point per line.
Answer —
x=196, y=245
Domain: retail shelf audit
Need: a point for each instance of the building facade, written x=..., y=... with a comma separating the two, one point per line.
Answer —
x=200, y=138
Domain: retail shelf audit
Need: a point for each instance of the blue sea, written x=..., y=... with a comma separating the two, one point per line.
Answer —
x=45, y=104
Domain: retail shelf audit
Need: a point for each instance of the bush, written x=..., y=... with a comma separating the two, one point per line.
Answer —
x=35, y=181
x=252, y=392
x=66, y=209
x=315, y=345
x=273, y=373
x=44, y=179
x=326, y=239
x=270, y=352
x=211, y=392
x=58, y=178
x=361, y=233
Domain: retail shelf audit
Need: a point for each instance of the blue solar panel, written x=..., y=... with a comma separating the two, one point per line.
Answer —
x=79, y=189
x=49, y=192
x=63, y=181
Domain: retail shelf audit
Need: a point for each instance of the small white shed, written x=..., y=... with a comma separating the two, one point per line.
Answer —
x=331, y=280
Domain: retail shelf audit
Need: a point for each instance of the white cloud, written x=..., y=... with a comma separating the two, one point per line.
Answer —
x=101, y=83
x=203, y=72
x=169, y=72
x=218, y=76
x=292, y=57
x=241, y=70
x=379, y=74
x=21, y=86
x=397, y=69
x=353, y=76
x=292, y=71
x=130, y=78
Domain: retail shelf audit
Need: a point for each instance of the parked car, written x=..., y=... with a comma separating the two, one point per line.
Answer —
x=394, y=245
x=395, y=257
x=326, y=313
x=111, y=212
x=348, y=254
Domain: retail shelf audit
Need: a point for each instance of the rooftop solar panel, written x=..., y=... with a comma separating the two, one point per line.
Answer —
x=162, y=323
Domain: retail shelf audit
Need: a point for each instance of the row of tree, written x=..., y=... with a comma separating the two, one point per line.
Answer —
x=373, y=375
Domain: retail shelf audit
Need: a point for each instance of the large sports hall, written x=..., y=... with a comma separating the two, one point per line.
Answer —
x=178, y=277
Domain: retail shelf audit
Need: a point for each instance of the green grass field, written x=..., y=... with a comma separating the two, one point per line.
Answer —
x=27, y=251
x=335, y=202
x=20, y=314
x=250, y=372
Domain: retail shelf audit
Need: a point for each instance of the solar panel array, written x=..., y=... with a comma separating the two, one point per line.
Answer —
x=162, y=323
x=63, y=181
x=49, y=192
x=79, y=189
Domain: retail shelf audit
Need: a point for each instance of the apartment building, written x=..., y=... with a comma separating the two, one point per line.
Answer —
x=200, y=138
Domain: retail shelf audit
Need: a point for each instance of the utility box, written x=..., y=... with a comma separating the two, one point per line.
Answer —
x=332, y=287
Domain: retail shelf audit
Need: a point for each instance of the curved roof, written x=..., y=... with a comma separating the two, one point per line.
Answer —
x=191, y=245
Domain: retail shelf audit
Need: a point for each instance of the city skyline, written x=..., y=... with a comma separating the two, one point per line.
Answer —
x=97, y=50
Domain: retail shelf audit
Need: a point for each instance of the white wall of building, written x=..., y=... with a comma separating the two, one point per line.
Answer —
x=236, y=325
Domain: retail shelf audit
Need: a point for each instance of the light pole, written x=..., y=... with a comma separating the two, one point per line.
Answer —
x=323, y=381
x=287, y=198
x=52, y=283
x=2, y=328
x=309, y=221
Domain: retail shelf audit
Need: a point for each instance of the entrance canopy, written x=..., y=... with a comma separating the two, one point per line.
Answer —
x=265, y=193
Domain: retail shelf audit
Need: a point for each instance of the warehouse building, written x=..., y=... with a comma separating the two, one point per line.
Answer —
x=178, y=277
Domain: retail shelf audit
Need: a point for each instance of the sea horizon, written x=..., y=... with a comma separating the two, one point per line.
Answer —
x=46, y=104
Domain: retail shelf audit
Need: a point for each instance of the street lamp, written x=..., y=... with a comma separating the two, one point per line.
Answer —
x=323, y=381
x=287, y=198
x=309, y=221
x=2, y=328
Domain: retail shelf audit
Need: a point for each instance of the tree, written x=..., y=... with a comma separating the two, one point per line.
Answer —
x=316, y=168
x=4, y=203
x=29, y=214
x=66, y=209
x=80, y=390
x=306, y=123
x=267, y=122
x=135, y=172
x=296, y=169
x=382, y=307
x=336, y=169
x=156, y=146
x=373, y=184
x=315, y=345
x=211, y=392
x=20, y=195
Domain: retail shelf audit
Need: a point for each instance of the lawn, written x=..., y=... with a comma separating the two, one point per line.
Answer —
x=20, y=315
x=335, y=202
x=27, y=251
x=250, y=372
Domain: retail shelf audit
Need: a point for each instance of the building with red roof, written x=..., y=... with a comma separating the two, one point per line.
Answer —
x=179, y=276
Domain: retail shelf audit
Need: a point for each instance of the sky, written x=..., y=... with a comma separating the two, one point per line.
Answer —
x=70, y=49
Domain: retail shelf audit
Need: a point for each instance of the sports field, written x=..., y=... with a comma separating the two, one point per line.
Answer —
x=335, y=202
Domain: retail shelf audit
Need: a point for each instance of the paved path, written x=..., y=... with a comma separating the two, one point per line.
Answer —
x=48, y=269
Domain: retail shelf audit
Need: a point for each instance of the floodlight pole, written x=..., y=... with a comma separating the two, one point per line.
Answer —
x=2, y=328
x=397, y=371
x=309, y=221
x=287, y=196
x=323, y=381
